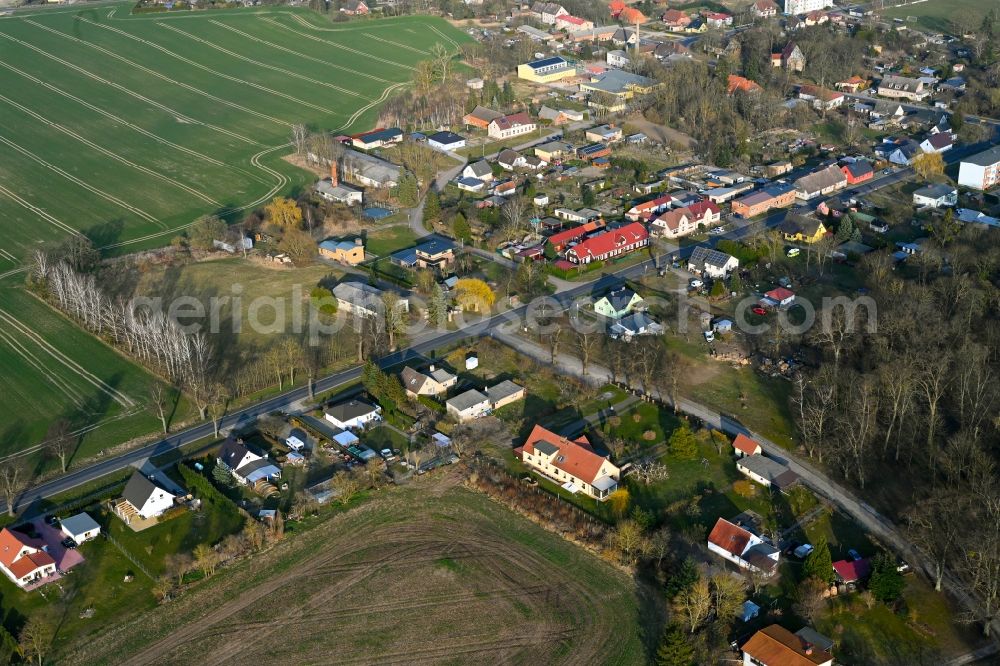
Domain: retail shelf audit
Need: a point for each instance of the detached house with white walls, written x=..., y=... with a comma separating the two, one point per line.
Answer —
x=743, y=548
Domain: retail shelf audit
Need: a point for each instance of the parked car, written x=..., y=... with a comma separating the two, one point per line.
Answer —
x=709, y=336
x=886, y=172
x=790, y=548
x=52, y=520
x=854, y=555
x=802, y=552
x=793, y=252
x=758, y=310
x=68, y=542
x=696, y=283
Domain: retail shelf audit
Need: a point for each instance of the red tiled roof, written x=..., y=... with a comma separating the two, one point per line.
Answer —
x=780, y=293
x=602, y=244
x=654, y=203
x=731, y=538
x=746, y=444
x=566, y=236
x=700, y=208
x=11, y=544
x=513, y=120
x=674, y=16
x=718, y=16
x=851, y=571
x=576, y=458
x=575, y=20
x=776, y=646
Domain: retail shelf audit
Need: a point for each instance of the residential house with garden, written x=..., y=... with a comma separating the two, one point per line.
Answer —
x=743, y=548
x=353, y=414
x=706, y=262
x=24, y=560
x=618, y=303
x=572, y=463
x=776, y=646
x=434, y=381
x=143, y=499
x=245, y=465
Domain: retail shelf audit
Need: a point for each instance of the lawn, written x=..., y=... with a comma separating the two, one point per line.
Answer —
x=937, y=14
x=383, y=241
x=434, y=555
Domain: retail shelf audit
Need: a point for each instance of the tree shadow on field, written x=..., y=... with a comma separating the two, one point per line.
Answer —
x=96, y=407
x=12, y=436
x=106, y=234
x=651, y=610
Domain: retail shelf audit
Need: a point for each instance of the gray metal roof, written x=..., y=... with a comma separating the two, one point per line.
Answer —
x=352, y=409
x=503, y=390
x=985, y=158
x=771, y=470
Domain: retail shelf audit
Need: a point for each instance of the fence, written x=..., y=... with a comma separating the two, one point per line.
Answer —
x=131, y=558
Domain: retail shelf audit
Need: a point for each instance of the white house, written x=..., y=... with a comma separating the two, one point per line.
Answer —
x=743, y=548
x=352, y=414
x=712, y=263
x=746, y=446
x=446, y=141
x=468, y=406
x=767, y=472
x=144, y=498
x=80, y=527
x=937, y=195
x=246, y=466
x=980, y=171
x=513, y=125
x=22, y=560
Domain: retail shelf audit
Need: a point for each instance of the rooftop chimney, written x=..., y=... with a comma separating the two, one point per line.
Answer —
x=432, y=367
x=334, y=180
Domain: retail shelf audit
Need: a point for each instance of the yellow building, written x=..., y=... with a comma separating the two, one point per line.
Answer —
x=547, y=70
x=617, y=88
x=802, y=229
x=350, y=252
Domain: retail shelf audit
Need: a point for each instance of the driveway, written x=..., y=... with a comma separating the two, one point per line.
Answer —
x=66, y=558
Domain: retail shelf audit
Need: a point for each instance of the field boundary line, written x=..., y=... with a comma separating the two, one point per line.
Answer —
x=258, y=63
x=90, y=188
x=259, y=40
x=41, y=213
x=298, y=19
x=117, y=86
x=132, y=126
x=445, y=37
x=112, y=155
x=339, y=46
x=202, y=67
x=159, y=75
x=113, y=393
x=384, y=22
x=52, y=378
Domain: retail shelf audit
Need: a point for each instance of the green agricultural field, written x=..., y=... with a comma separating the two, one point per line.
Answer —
x=127, y=128
x=50, y=370
x=939, y=14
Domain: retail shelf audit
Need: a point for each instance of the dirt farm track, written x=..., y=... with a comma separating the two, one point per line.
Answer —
x=410, y=577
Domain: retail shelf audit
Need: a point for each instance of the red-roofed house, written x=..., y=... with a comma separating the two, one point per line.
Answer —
x=742, y=84
x=745, y=446
x=705, y=213
x=852, y=571
x=570, y=22
x=613, y=243
x=742, y=547
x=675, y=18
x=616, y=7
x=718, y=20
x=22, y=561
x=649, y=209
x=780, y=297
x=515, y=124
x=853, y=84
x=561, y=239
x=569, y=462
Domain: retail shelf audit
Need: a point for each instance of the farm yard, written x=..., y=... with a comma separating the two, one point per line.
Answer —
x=125, y=129
x=406, y=592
